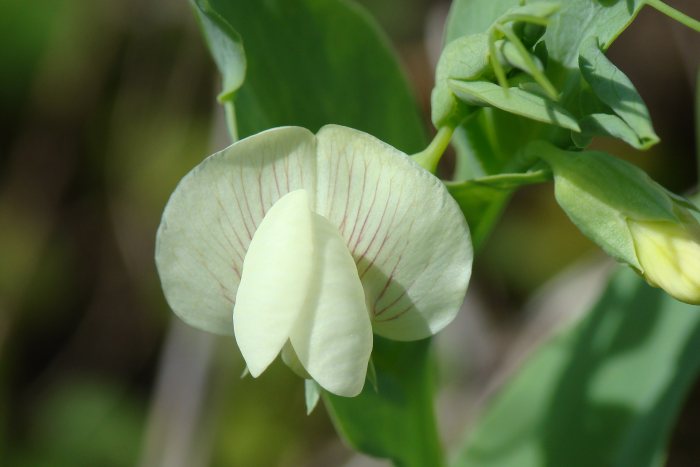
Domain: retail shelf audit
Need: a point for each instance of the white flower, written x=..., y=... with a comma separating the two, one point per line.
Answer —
x=308, y=243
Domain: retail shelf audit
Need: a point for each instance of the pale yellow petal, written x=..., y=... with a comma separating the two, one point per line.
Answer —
x=333, y=335
x=212, y=215
x=277, y=274
x=407, y=235
x=669, y=254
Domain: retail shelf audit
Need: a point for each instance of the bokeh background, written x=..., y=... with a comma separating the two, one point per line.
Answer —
x=104, y=106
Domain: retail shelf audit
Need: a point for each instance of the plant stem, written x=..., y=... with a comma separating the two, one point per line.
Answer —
x=511, y=181
x=430, y=156
x=674, y=14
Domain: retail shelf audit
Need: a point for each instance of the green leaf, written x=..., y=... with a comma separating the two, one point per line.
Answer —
x=579, y=20
x=604, y=393
x=605, y=125
x=395, y=421
x=514, y=100
x=466, y=58
x=226, y=48
x=616, y=90
x=314, y=62
x=474, y=16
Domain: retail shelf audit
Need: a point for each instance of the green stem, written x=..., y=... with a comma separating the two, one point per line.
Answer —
x=430, y=156
x=674, y=14
x=495, y=64
x=508, y=181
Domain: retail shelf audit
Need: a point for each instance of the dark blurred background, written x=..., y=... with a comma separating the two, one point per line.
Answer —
x=104, y=106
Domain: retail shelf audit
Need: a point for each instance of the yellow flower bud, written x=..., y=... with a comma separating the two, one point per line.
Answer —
x=669, y=253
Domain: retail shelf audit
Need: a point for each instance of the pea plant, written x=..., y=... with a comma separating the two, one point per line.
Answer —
x=316, y=238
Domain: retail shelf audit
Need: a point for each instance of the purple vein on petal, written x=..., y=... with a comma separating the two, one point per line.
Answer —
x=411, y=304
x=260, y=186
x=286, y=172
x=233, y=228
x=301, y=174
x=359, y=204
x=388, y=232
x=343, y=223
x=369, y=212
x=397, y=315
x=376, y=231
x=335, y=185
x=245, y=198
x=240, y=210
x=389, y=279
x=212, y=241
x=224, y=290
x=277, y=183
x=406, y=246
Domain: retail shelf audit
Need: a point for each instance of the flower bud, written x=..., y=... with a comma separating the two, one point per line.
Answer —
x=630, y=216
x=669, y=254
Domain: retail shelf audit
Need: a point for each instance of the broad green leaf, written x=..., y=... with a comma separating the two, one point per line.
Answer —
x=395, y=421
x=226, y=48
x=514, y=100
x=474, y=16
x=605, y=125
x=616, y=90
x=314, y=62
x=579, y=20
x=603, y=393
x=282, y=252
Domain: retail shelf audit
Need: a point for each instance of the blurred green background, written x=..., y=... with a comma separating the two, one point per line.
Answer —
x=104, y=106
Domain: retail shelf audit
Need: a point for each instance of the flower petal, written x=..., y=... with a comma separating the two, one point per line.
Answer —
x=333, y=335
x=406, y=233
x=212, y=215
x=669, y=254
x=277, y=275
